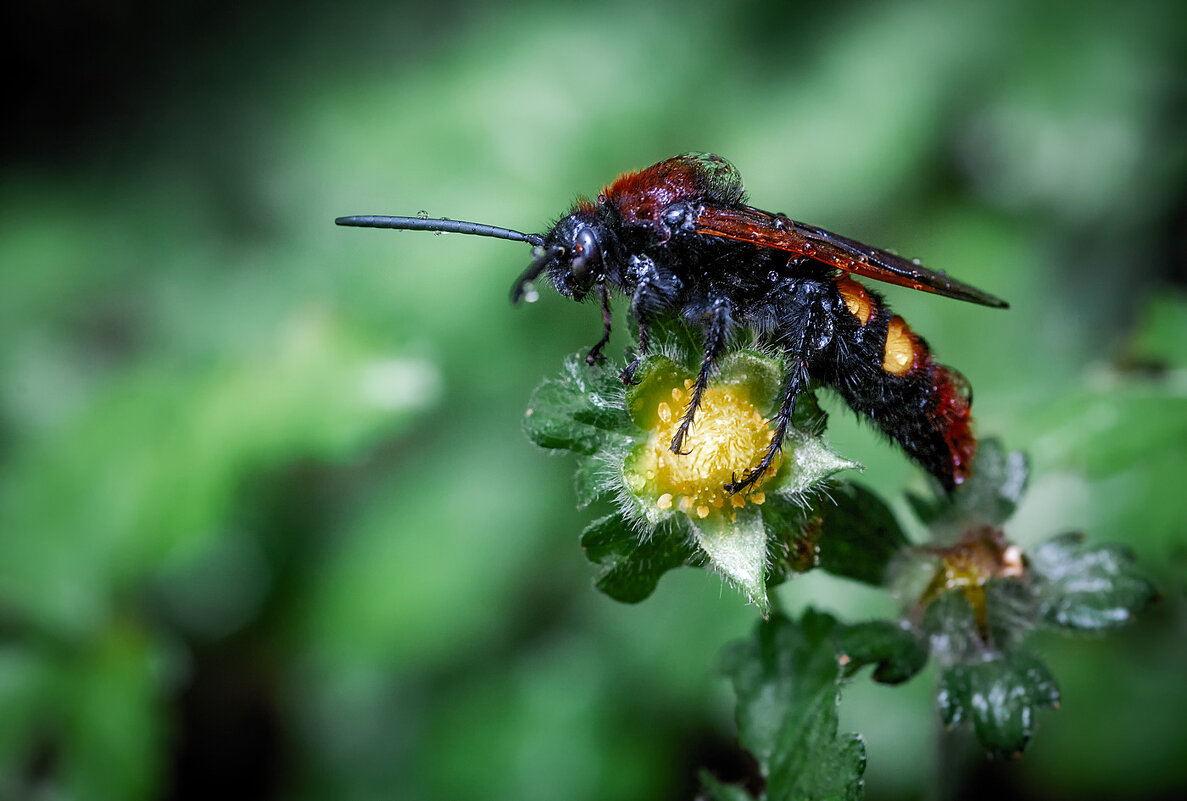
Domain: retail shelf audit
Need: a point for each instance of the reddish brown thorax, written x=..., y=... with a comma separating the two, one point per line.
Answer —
x=641, y=196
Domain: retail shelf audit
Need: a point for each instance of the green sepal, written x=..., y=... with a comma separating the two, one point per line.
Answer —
x=737, y=549
x=632, y=565
x=1086, y=587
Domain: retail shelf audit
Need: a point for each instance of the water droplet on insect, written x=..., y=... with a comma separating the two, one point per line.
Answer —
x=424, y=215
x=530, y=295
x=772, y=276
x=917, y=262
x=808, y=248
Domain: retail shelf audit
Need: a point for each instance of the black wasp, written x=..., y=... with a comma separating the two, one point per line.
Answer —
x=679, y=240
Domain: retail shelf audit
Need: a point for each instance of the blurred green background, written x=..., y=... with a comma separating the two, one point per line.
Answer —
x=268, y=524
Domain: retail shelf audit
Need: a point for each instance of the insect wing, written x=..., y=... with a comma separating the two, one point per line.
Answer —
x=761, y=228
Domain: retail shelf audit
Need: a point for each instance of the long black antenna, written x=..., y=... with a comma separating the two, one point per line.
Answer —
x=437, y=224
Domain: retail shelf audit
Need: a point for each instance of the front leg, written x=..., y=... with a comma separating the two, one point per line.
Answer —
x=627, y=376
x=716, y=335
x=655, y=288
x=595, y=353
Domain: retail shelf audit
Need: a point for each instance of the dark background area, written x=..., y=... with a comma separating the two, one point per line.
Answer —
x=268, y=525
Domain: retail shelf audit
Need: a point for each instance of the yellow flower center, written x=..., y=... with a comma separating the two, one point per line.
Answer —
x=727, y=439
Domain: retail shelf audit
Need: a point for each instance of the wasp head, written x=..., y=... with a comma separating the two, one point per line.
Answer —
x=573, y=254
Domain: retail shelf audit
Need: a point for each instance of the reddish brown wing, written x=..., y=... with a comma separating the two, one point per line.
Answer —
x=767, y=230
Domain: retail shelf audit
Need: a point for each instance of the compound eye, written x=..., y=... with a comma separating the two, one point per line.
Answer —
x=587, y=256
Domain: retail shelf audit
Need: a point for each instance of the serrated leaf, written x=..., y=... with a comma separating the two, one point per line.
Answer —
x=787, y=679
x=859, y=536
x=632, y=567
x=999, y=696
x=988, y=497
x=897, y=653
x=737, y=549
x=1087, y=587
x=579, y=411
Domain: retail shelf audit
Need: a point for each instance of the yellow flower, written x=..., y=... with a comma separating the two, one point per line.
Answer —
x=728, y=438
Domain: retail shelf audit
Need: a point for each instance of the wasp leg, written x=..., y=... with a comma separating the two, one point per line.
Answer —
x=656, y=288
x=627, y=376
x=794, y=383
x=814, y=333
x=716, y=335
x=595, y=353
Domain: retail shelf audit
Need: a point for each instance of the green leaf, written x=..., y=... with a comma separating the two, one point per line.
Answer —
x=999, y=696
x=787, y=679
x=859, y=535
x=1087, y=588
x=737, y=549
x=998, y=691
x=897, y=653
x=988, y=497
x=579, y=411
x=632, y=566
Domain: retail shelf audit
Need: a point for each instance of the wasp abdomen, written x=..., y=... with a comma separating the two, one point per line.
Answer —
x=885, y=371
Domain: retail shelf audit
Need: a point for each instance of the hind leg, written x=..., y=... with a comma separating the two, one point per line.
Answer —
x=794, y=382
x=810, y=331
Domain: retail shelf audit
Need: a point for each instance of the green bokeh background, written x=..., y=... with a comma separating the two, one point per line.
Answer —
x=268, y=524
